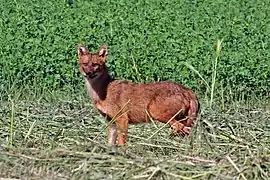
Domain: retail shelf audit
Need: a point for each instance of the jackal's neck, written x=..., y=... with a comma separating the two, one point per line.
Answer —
x=97, y=88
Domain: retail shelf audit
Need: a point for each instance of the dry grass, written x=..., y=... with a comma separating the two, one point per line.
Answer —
x=54, y=140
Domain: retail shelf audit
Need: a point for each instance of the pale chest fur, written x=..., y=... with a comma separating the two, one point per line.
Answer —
x=99, y=104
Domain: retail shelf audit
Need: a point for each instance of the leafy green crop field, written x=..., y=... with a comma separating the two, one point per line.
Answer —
x=148, y=40
x=49, y=129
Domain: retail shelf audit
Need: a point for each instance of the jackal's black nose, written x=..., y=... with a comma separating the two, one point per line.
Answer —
x=88, y=73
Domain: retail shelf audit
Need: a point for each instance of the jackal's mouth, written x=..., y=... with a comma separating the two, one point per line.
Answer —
x=90, y=75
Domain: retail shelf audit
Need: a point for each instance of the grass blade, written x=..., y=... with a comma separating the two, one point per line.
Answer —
x=198, y=73
x=11, y=127
x=214, y=75
x=30, y=130
x=237, y=169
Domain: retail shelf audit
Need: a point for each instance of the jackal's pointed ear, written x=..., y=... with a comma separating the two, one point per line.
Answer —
x=103, y=52
x=82, y=50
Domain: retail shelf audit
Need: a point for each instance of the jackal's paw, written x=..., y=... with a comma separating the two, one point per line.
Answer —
x=176, y=133
x=187, y=130
x=184, y=132
x=177, y=129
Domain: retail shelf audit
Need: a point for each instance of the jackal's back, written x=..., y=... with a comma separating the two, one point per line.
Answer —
x=158, y=99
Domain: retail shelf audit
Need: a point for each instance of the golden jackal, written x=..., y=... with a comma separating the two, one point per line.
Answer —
x=130, y=103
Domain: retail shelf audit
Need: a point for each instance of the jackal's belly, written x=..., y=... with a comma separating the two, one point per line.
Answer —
x=138, y=115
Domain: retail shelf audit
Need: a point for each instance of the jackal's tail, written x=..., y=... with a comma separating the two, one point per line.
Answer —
x=194, y=109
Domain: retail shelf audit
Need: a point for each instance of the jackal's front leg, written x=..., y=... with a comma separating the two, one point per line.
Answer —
x=122, y=130
x=112, y=134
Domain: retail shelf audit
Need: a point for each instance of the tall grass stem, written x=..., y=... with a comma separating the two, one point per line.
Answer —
x=214, y=75
x=11, y=127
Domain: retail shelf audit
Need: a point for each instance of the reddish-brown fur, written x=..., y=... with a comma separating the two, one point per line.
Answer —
x=160, y=100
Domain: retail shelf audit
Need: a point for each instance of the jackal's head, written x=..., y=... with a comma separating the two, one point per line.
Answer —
x=92, y=65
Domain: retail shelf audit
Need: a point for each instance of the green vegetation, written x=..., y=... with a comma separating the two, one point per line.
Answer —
x=148, y=40
x=49, y=129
